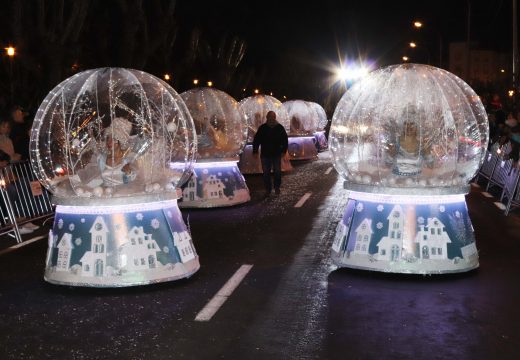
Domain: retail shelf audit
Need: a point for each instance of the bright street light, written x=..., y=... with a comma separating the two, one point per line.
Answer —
x=195, y=81
x=405, y=58
x=257, y=91
x=351, y=72
x=210, y=83
x=10, y=51
x=417, y=24
x=412, y=45
x=167, y=77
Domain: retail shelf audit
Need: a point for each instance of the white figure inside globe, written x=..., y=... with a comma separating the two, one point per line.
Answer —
x=409, y=126
x=112, y=132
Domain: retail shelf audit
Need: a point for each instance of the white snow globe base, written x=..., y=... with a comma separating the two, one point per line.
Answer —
x=302, y=148
x=215, y=184
x=109, y=243
x=415, y=234
x=321, y=141
x=251, y=164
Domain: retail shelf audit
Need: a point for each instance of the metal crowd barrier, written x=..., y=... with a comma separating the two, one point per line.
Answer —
x=23, y=199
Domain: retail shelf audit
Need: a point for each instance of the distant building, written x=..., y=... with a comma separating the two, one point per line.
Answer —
x=483, y=66
x=363, y=236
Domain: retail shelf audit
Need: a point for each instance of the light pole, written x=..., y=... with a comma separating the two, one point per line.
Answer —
x=418, y=25
x=11, y=51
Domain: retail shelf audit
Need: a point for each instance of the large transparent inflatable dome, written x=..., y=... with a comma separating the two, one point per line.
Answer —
x=409, y=126
x=320, y=114
x=112, y=132
x=220, y=124
x=256, y=108
x=303, y=119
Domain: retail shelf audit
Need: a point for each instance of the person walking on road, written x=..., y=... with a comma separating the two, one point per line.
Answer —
x=271, y=137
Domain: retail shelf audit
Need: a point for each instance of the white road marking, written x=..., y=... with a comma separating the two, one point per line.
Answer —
x=23, y=243
x=500, y=205
x=223, y=294
x=486, y=194
x=302, y=200
x=328, y=170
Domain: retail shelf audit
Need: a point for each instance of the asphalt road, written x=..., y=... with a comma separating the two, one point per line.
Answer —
x=293, y=304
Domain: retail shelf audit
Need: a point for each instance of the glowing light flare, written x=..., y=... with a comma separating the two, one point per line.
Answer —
x=417, y=24
x=167, y=77
x=351, y=72
x=502, y=71
x=210, y=83
x=11, y=51
x=511, y=93
x=256, y=91
x=413, y=45
x=195, y=81
x=405, y=58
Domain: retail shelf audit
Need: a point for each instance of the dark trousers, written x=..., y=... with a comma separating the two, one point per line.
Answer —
x=274, y=163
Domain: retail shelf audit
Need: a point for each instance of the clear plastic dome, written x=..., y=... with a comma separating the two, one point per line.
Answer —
x=112, y=132
x=220, y=124
x=303, y=119
x=320, y=113
x=409, y=126
x=256, y=108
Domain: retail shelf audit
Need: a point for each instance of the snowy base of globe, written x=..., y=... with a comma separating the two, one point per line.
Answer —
x=120, y=245
x=251, y=164
x=321, y=141
x=302, y=148
x=405, y=234
x=215, y=184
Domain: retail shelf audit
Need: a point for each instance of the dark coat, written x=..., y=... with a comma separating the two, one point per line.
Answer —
x=273, y=140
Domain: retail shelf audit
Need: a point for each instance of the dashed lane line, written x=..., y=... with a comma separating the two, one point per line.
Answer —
x=223, y=294
x=303, y=199
x=17, y=246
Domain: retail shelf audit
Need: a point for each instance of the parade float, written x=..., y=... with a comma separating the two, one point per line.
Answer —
x=303, y=123
x=221, y=131
x=407, y=139
x=255, y=109
x=112, y=145
x=319, y=136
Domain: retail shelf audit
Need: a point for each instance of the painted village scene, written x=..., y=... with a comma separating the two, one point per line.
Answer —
x=215, y=186
x=121, y=248
x=406, y=238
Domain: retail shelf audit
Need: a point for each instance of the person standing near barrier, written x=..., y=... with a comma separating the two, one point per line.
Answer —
x=6, y=144
x=10, y=185
x=20, y=131
x=272, y=139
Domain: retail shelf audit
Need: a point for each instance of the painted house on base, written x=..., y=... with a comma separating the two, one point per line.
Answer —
x=182, y=242
x=390, y=246
x=64, y=251
x=213, y=187
x=433, y=240
x=140, y=251
x=94, y=262
x=363, y=236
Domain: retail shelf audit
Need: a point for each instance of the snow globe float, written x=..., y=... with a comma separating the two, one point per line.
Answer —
x=221, y=135
x=103, y=143
x=255, y=109
x=303, y=123
x=319, y=136
x=407, y=139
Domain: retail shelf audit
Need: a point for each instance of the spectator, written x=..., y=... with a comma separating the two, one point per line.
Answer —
x=11, y=189
x=6, y=144
x=272, y=138
x=20, y=132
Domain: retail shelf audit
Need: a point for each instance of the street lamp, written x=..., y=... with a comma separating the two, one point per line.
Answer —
x=257, y=91
x=167, y=77
x=195, y=81
x=413, y=45
x=210, y=83
x=405, y=58
x=11, y=51
x=417, y=24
